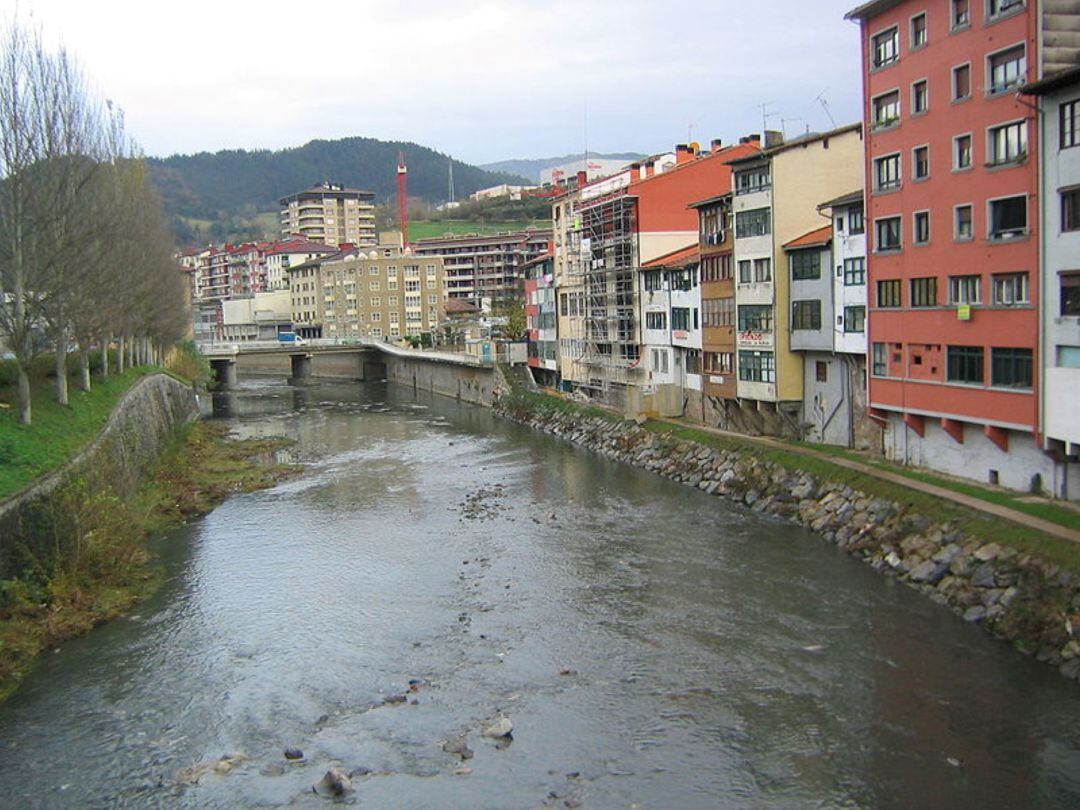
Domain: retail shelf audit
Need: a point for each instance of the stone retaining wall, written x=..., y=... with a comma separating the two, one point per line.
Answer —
x=141, y=424
x=1012, y=595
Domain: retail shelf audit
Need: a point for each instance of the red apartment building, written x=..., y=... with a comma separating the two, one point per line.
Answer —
x=952, y=208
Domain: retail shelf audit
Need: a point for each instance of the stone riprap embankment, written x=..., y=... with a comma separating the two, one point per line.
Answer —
x=1013, y=595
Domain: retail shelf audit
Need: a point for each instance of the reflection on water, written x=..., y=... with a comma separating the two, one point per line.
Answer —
x=654, y=646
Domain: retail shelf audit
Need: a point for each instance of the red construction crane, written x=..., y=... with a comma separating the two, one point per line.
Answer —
x=403, y=198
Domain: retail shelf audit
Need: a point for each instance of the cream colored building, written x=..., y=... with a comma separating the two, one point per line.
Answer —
x=330, y=213
x=378, y=292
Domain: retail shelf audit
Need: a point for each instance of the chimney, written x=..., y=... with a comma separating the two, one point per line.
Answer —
x=582, y=178
x=716, y=145
x=683, y=154
x=773, y=137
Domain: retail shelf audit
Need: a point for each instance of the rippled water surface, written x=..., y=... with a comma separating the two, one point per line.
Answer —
x=654, y=647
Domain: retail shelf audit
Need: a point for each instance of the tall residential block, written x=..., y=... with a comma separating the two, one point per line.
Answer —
x=954, y=222
x=777, y=227
x=330, y=213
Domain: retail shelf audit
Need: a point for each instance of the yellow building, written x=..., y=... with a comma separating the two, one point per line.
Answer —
x=776, y=198
x=380, y=292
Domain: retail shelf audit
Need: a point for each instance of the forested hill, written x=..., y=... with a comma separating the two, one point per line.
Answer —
x=223, y=184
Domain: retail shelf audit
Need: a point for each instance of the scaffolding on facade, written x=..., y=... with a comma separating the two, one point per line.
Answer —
x=603, y=245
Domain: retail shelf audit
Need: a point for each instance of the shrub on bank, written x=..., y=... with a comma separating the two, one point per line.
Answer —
x=186, y=361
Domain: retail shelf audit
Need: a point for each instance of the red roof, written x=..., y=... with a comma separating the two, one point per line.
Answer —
x=822, y=236
x=677, y=258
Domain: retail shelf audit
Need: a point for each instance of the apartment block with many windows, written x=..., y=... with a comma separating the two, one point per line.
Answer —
x=486, y=269
x=953, y=216
x=717, y=279
x=330, y=213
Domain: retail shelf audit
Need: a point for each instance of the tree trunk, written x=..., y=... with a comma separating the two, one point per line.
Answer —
x=24, y=396
x=84, y=369
x=120, y=355
x=105, y=357
x=61, y=368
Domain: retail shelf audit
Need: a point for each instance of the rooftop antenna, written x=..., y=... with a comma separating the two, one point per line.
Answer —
x=403, y=199
x=585, y=155
x=825, y=106
x=690, y=132
x=765, y=116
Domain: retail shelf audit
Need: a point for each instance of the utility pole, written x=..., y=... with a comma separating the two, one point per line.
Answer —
x=403, y=199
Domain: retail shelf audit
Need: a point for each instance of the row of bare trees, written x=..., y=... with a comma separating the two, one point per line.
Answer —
x=85, y=250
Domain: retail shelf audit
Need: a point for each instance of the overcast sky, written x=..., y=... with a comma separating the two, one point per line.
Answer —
x=482, y=81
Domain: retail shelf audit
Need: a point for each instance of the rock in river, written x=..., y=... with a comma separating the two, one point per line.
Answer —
x=500, y=728
x=335, y=782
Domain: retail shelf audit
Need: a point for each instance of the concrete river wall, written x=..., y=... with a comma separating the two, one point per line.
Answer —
x=142, y=423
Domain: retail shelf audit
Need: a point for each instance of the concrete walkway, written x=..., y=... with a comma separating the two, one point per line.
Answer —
x=996, y=510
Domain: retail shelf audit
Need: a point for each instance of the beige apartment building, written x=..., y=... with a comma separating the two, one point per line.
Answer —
x=330, y=213
x=379, y=292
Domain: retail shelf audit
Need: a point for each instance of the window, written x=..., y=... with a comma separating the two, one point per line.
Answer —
x=757, y=367
x=762, y=269
x=374, y=285
x=752, y=180
x=716, y=268
x=660, y=360
x=1007, y=69
x=1010, y=368
x=376, y=302
x=656, y=320
x=887, y=172
x=886, y=47
x=752, y=223
x=999, y=7
x=961, y=13
x=755, y=318
x=855, y=221
x=965, y=289
x=963, y=223
x=964, y=364
x=921, y=162
x=806, y=314
x=854, y=271
x=855, y=319
x=920, y=98
x=374, y=270
x=888, y=293
x=887, y=233
x=1010, y=289
x=680, y=319
x=1008, y=217
x=1070, y=210
x=962, y=152
x=918, y=31
x=805, y=264
x=1070, y=124
x=654, y=280
x=921, y=223
x=961, y=82
x=744, y=271
x=879, y=354
x=718, y=312
x=886, y=109
x=1070, y=293
x=1008, y=143
x=924, y=292
x=719, y=362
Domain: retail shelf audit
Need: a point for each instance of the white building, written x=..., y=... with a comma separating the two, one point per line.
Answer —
x=1059, y=105
x=288, y=254
x=594, y=168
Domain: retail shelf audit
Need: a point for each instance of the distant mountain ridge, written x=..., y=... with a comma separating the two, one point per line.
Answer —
x=531, y=168
x=236, y=182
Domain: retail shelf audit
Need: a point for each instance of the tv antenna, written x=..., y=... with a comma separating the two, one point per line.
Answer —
x=765, y=116
x=784, y=123
x=825, y=106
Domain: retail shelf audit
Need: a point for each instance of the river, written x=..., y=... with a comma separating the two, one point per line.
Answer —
x=655, y=647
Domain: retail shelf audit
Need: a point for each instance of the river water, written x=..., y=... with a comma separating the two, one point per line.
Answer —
x=654, y=647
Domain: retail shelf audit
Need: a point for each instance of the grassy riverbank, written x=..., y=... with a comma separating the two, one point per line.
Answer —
x=58, y=431
x=110, y=568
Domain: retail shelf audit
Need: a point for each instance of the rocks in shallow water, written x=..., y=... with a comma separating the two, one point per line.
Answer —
x=976, y=613
x=458, y=746
x=273, y=769
x=293, y=753
x=392, y=700
x=335, y=782
x=502, y=727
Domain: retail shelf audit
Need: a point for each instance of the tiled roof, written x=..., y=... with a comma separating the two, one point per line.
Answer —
x=677, y=258
x=822, y=236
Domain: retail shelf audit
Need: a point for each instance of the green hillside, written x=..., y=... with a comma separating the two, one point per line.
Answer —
x=221, y=195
